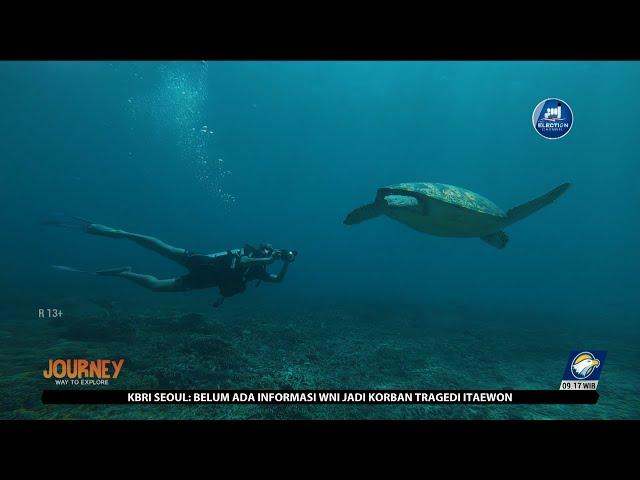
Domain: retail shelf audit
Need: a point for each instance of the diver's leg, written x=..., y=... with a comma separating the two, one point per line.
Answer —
x=146, y=241
x=148, y=281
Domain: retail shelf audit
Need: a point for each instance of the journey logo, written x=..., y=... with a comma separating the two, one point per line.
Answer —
x=552, y=118
x=83, y=371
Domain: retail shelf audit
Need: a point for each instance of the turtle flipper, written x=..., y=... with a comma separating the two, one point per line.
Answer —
x=385, y=191
x=526, y=209
x=498, y=239
x=366, y=212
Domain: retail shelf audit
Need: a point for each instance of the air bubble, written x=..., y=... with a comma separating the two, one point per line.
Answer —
x=177, y=105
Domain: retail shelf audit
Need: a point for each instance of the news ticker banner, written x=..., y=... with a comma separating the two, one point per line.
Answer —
x=366, y=397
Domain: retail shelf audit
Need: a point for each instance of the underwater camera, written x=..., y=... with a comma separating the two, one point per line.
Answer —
x=285, y=255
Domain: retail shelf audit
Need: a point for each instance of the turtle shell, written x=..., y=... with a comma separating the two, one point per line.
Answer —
x=452, y=195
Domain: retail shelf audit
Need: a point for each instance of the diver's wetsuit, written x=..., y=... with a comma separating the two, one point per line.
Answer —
x=229, y=271
x=222, y=270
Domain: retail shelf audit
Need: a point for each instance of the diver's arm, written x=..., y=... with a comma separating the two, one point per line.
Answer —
x=273, y=278
x=248, y=261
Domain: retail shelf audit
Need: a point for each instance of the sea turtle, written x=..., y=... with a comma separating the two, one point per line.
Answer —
x=448, y=211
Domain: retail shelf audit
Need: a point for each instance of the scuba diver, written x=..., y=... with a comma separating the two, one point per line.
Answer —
x=230, y=270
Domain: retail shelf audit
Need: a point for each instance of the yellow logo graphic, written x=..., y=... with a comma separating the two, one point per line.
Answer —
x=583, y=365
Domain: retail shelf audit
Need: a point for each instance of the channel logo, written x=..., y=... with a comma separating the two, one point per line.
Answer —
x=552, y=118
x=81, y=371
x=583, y=370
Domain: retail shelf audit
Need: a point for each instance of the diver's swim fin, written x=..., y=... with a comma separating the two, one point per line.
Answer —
x=64, y=268
x=113, y=271
x=67, y=221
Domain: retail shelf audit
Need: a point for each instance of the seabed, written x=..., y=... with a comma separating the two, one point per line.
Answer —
x=254, y=343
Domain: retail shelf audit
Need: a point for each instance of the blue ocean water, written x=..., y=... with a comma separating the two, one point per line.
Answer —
x=215, y=154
